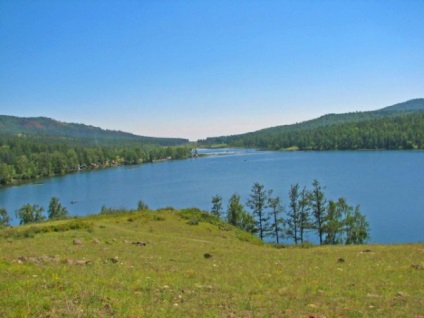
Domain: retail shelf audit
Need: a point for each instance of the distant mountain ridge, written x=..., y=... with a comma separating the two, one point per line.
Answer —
x=50, y=127
x=316, y=133
x=411, y=106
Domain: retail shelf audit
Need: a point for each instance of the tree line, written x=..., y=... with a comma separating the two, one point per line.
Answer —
x=25, y=158
x=399, y=132
x=308, y=211
x=33, y=213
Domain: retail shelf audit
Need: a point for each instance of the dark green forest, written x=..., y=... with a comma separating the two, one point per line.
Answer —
x=40, y=147
x=401, y=132
x=36, y=156
x=399, y=126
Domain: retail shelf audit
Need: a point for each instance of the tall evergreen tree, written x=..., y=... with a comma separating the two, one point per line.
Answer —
x=258, y=203
x=216, y=206
x=319, y=209
x=277, y=224
x=304, y=214
x=293, y=214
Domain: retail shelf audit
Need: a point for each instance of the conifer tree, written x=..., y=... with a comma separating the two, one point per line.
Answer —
x=318, y=204
x=304, y=214
x=216, y=206
x=293, y=214
x=277, y=224
x=258, y=203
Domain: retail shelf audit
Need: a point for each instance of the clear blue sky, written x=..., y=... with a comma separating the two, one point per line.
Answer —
x=197, y=68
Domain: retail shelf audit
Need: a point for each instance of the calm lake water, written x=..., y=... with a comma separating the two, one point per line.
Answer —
x=388, y=185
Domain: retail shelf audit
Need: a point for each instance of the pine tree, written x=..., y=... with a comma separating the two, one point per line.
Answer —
x=277, y=224
x=304, y=213
x=293, y=214
x=216, y=206
x=318, y=203
x=258, y=203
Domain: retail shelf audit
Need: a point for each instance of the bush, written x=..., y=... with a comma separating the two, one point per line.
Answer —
x=141, y=205
x=306, y=244
x=30, y=232
x=279, y=246
x=167, y=208
x=199, y=215
x=193, y=222
x=158, y=218
x=106, y=210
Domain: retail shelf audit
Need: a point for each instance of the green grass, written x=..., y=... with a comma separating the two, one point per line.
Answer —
x=44, y=274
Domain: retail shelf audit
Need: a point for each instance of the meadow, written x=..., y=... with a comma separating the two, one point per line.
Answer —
x=186, y=263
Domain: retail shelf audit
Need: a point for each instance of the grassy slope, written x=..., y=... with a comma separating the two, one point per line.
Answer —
x=170, y=277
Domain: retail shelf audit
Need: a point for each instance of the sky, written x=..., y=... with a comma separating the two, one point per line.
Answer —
x=195, y=69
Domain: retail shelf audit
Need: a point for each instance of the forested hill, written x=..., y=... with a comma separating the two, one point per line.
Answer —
x=50, y=128
x=40, y=147
x=399, y=126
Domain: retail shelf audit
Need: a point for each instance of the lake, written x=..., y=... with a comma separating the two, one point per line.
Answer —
x=388, y=185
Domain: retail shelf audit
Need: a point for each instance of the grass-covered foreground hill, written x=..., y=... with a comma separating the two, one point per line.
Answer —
x=187, y=264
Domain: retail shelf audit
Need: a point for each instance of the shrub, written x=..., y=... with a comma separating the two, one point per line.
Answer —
x=306, y=244
x=199, y=215
x=30, y=232
x=106, y=210
x=193, y=222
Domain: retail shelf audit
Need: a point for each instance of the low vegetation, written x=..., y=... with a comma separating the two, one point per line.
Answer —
x=162, y=264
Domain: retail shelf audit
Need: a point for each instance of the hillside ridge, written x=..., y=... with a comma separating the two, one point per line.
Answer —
x=410, y=106
x=384, y=128
x=48, y=126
